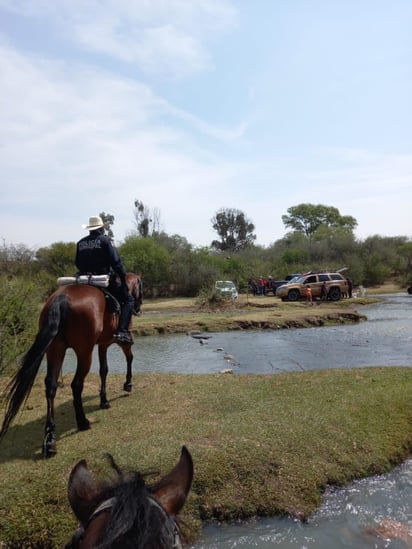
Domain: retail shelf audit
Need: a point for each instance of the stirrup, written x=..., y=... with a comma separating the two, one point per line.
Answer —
x=124, y=337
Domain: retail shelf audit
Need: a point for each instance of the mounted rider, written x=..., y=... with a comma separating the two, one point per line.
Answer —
x=96, y=254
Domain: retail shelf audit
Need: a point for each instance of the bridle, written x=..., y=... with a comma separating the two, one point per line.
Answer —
x=174, y=528
x=136, y=294
x=107, y=505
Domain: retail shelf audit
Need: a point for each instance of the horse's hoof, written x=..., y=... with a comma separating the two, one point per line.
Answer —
x=84, y=426
x=105, y=405
x=49, y=450
x=127, y=387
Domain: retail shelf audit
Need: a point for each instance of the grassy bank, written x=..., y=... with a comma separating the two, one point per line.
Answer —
x=262, y=445
x=162, y=316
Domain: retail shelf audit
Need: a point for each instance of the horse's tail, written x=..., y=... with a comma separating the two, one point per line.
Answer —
x=18, y=389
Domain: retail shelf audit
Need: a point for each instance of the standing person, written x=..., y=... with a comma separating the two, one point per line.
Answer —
x=252, y=286
x=309, y=295
x=324, y=292
x=350, y=286
x=262, y=285
x=96, y=254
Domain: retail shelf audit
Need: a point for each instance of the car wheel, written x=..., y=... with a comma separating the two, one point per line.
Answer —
x=293, y=295
x=334, y=294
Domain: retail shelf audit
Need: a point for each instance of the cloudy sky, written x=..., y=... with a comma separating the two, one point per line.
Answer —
x=196, y=105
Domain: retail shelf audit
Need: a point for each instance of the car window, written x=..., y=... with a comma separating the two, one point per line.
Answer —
x=310, y=279
x=225, y=285
x=336, y=276
x=323, y=278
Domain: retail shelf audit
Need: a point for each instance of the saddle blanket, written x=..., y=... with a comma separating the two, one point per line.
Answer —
x=92, y=280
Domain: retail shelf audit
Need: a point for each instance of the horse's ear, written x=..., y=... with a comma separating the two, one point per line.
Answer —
x=82, y=491
x=172, y=490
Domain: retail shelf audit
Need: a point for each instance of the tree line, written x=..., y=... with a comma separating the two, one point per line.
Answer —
x=317, y=237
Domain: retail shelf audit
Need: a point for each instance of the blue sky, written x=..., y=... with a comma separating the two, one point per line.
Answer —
x=196, y=105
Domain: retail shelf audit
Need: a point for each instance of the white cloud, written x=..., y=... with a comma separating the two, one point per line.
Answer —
x=77, y=141
x=168, y=38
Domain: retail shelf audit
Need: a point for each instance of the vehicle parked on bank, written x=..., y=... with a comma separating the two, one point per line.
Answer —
x=272, y=285
x=226, y=288
x=334, y=286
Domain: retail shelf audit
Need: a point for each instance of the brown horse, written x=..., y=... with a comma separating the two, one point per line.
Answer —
x=80, y=317
x=129, y=513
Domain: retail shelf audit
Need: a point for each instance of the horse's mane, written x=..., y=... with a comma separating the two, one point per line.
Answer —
x=135, y=521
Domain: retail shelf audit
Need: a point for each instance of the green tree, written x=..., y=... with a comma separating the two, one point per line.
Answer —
x=147, y=220
x=234, y=229
x=57, y=259
x=310, y=218
x=145, y=256
x=405, y=251
x=108, y=220
x=19, y=302
x=16, y=260
x=381, y=258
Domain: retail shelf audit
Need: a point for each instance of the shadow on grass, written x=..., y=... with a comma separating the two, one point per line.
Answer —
x=25, y=441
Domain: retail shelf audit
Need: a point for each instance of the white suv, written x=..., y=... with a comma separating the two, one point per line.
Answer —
x=226, y=288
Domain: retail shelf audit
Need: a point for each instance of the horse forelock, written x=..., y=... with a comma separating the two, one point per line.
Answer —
x=134, y=520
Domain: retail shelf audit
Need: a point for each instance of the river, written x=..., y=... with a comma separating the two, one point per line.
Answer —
x=385, y=339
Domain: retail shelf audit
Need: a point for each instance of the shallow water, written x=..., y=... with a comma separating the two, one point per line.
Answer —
x=342, y=521
x=385, y=339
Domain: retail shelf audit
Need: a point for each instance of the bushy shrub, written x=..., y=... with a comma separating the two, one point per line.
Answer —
x=209, y=298
x=19, y=305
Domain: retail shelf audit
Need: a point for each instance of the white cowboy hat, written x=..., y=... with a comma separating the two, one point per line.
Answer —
x=95, y=222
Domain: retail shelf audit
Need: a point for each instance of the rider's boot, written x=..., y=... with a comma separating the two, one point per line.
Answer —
x=123, y=335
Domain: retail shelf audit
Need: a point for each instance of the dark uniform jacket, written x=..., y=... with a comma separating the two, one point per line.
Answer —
x=95, y=254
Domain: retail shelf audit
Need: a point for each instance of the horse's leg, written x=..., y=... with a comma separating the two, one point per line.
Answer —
x=84, y=361
x=55, y=357
x=127, y=350
x=103, y=370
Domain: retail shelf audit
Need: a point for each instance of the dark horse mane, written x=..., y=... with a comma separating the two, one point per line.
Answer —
x=134, y=520
x=127, y=512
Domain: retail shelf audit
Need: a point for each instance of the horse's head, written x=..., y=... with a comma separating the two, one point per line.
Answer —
x=135, y=285
x=129, y=513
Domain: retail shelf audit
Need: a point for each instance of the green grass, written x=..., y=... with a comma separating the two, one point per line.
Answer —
x=161, y=316
x=262, y=445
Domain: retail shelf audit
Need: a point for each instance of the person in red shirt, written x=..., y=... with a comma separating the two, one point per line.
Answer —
x=309, y=295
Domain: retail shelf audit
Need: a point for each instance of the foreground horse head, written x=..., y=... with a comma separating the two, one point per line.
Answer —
x=129, y=513
x=77, y=317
